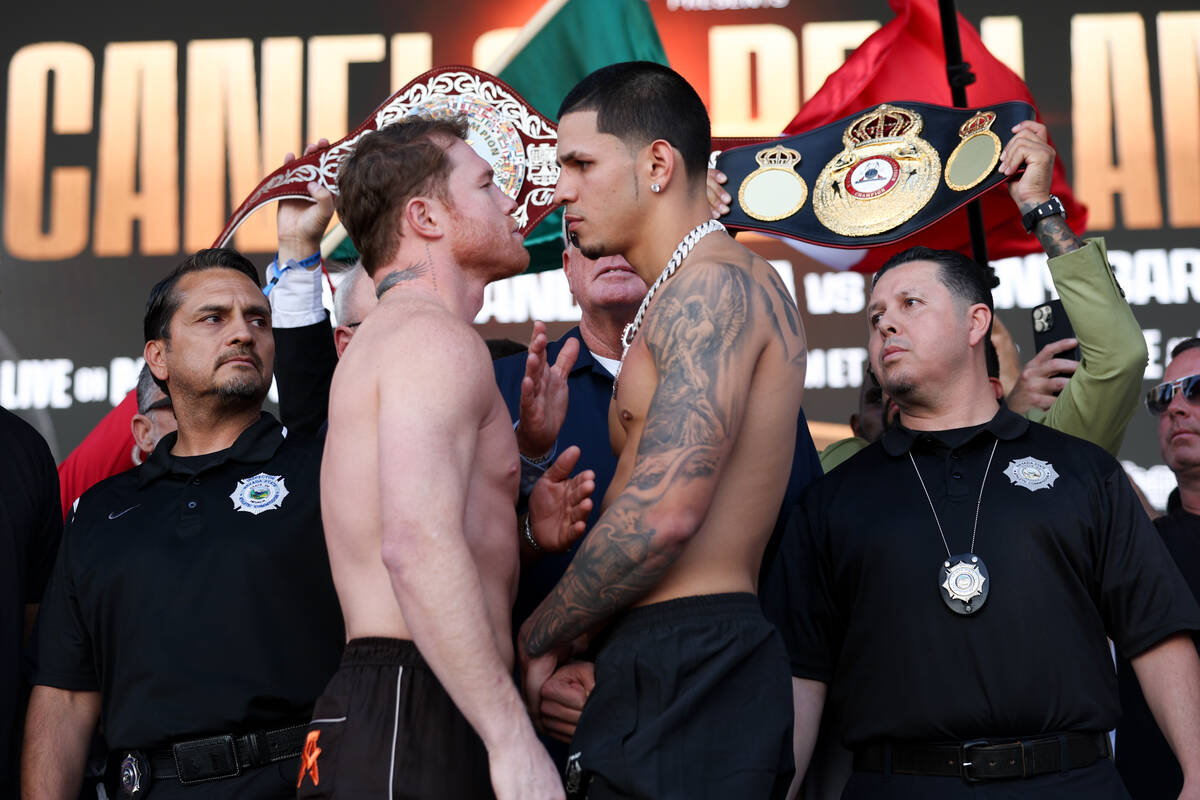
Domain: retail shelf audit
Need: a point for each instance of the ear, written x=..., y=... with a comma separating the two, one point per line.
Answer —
x=142, y=427
x=997, y=388
x=341, y=339
x=661, y=162
x=155, y=354
x=423, y=216
x=979, y=322
x=568, y=272
x=854, y=424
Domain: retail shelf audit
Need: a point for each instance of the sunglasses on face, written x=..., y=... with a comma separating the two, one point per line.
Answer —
x=1158, y=398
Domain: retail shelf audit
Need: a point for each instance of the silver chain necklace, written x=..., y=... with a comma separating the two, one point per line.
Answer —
x=682, y=250
x=963, y=582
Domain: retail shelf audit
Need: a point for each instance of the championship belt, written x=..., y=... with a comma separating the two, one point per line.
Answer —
x=870, y=179
x=507, y=132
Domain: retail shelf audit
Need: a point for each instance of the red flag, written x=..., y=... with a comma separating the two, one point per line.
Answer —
x=905, y=60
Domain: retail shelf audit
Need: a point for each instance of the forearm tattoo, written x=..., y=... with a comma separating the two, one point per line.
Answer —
x=1056, y=237
x=700, y=327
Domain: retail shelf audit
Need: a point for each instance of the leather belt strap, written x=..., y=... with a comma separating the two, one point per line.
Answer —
x=985, y=760
x=216, y=757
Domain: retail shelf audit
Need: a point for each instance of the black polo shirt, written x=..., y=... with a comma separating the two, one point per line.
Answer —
x=195, y=593
x=30, y=528
x=855, y=590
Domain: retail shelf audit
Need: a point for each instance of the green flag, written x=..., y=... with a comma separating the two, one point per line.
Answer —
x=563, y=43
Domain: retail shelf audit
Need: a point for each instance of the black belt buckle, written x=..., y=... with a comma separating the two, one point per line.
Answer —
x=206, y=759
x=965, y=759
x=135, y=774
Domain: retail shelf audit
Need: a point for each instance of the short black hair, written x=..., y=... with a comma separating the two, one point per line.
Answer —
x=641, y=101
x=164, y=300
x=961, y=275
x=1187, y=344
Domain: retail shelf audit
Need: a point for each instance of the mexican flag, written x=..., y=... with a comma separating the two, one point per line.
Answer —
x=564, y=42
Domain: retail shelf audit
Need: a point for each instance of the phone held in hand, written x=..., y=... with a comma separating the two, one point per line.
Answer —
x=1050, y=324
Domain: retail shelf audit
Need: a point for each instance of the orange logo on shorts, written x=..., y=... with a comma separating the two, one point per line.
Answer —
x=308, y=759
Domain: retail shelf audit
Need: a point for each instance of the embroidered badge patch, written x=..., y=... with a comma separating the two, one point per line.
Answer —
x=1031, y=473
x=261, y=493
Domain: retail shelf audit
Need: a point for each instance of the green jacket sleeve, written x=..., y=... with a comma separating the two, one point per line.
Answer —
x=1099, y=400
x=839, y=451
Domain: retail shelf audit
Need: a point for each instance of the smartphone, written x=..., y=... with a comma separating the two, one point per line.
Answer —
x=1051, y=323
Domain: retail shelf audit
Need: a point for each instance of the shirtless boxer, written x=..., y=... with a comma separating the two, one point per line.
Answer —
x=418, y=487
x=692, y=693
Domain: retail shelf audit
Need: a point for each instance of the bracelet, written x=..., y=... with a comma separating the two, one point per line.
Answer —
x=537, y=548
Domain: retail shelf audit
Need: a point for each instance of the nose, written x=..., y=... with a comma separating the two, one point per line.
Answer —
x=1179, y=405
x=507, y=203
x=563, y=191
x=886, y=326
x=240, y=330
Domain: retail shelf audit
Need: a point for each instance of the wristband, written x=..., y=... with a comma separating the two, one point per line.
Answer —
x=276, y=271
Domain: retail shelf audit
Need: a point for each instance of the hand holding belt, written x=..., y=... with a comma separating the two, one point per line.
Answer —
x=516, y=140
x=869, y=179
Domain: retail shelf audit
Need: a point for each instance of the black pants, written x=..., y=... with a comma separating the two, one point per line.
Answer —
x=692, y=700
x=385, y=727
x=1097, y=782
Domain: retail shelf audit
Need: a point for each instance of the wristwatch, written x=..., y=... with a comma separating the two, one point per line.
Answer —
x=1050, y=208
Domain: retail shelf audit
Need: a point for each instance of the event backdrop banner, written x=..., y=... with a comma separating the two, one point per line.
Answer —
x=131, y=132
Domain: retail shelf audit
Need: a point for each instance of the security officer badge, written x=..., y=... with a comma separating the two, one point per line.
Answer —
x=885, y=174
x=135, y=775
x=1032, y=473
x=260, y=493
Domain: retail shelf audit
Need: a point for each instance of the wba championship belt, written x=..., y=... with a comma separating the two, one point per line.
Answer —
x=517, y=141
x=870, y=179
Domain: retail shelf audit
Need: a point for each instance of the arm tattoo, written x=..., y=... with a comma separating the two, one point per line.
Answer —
x=409, y=273
x=1056, y=237
x=699, y=328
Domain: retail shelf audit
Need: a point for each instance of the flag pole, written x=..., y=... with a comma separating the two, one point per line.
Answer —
x=959, y=74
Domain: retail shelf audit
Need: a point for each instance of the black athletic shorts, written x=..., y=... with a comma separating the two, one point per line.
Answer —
x=693, y=700
x=385, y=728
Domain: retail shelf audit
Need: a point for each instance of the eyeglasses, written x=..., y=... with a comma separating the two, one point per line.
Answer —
x=1158, y=398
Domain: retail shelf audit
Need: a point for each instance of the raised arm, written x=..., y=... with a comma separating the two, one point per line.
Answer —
x=304, y=349
x=1100, y=398
x=430, y=418
x=700, y=338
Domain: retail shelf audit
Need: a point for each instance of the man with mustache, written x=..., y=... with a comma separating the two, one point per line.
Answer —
x=191, y=610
